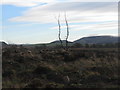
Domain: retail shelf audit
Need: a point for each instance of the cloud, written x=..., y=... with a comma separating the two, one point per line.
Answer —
x=92, y=27
x=25, y=3
x=30, y=3
x=91, y=17
x=94, y=0
x=76, y=12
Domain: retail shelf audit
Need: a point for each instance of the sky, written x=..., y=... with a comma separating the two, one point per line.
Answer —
x=35, y=21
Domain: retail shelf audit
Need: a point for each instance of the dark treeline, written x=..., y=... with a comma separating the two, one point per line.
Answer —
x=78, y=45
x=70, y=45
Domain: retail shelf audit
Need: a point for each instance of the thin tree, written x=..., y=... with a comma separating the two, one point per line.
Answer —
x=60, y=32
x=67, y=32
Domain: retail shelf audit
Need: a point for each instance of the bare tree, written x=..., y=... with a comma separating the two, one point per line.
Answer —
x=67, y=32
x=59, y=34
x=60, y=31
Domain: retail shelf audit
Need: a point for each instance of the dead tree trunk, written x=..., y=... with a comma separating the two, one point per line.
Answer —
x=67, y=32
x=60, y=32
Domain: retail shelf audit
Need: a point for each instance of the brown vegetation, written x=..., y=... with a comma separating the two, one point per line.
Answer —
x=76, y=68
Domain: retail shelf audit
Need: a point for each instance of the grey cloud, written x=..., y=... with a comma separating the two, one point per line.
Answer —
x=81, y=6
x=76, y=12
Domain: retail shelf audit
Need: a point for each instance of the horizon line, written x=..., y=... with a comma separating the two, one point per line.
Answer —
x=57, y=40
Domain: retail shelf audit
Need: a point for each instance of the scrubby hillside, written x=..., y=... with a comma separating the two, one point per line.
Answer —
x=76, y=68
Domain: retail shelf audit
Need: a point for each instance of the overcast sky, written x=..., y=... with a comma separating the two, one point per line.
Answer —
x=34, y=21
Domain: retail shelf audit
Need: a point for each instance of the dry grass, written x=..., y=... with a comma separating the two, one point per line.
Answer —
x=81, y=68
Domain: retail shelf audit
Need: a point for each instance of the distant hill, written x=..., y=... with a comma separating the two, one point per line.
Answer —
x=98, y=40
x=84, y=40
x=3, y=44
x=57, y=42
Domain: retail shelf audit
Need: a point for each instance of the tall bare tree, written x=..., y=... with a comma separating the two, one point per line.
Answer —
x=59, y=34
x=60, y=31
x=67, y=32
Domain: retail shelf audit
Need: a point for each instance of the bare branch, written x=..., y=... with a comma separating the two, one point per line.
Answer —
x=67, y=31
x=59, y=31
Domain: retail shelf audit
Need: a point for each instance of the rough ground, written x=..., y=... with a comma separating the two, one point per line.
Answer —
x=79, y=68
